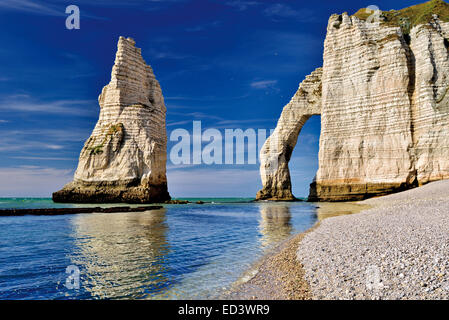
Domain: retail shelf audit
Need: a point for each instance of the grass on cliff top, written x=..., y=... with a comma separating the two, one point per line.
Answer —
x=412, y=16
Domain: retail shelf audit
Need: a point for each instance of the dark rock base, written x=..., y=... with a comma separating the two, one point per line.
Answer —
x=354, y=192
x=77, y=192
x=275, y=195
x=62, y=211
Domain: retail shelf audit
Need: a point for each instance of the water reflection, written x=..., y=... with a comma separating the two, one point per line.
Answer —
x=275, y=224
x=122, y=254
x=332, y=209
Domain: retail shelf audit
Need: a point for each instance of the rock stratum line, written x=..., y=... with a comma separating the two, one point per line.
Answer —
x=382, y=97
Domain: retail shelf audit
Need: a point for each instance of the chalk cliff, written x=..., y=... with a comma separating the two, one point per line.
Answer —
x=124, y=159
x=277, y=149
x=383, y=105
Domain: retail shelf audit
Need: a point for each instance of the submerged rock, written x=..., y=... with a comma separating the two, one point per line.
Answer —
x=177, y=202
x=63, y=211
x=124, y=160
x=384, y=110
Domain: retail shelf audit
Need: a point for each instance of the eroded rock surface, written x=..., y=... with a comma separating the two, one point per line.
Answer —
x=384, y=112
x=124, y=160
x=278, y=148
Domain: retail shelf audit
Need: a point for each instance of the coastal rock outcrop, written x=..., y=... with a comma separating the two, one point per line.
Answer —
x=383, y=105
x=277, y=149
x=124, y=159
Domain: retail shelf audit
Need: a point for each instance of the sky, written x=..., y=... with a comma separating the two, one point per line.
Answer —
x=227, y=63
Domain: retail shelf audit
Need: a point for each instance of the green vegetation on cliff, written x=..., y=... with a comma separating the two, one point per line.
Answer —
x=412, y=16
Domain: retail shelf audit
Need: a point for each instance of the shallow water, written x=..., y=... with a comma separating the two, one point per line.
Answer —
x=179, y=252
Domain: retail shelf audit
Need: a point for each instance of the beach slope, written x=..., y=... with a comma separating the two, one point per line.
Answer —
x=398, y=249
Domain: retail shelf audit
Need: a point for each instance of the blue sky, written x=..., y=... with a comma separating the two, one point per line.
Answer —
x=230, y=64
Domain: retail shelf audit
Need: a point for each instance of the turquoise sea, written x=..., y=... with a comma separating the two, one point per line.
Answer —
x=188, y=251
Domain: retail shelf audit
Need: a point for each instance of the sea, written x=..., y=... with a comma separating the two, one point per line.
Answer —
x=183, y=251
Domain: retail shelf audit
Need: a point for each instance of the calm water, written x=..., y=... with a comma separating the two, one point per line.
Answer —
x=179, y=252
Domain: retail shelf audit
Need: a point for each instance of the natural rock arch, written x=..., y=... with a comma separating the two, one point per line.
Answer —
x=278, y=148
x=384, y=112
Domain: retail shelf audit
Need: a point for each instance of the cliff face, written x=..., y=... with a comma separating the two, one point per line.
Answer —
x=384, y=111
x=430, y=46
x=124, y=160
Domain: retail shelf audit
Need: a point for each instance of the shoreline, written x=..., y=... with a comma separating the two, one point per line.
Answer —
x=396, y=247
x=276, y=275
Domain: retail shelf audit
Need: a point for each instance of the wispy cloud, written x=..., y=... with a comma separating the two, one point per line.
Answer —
x=125, y=3
x=29, y=140
x=3, y=121
x=263, y=84
x=206, y=98
x=280, y=10
x=32, y=7
x=178, y=123
x=13, y=145
x=280, y=49
x=45, y=158
x=197, y=115
x=204, y=26
x=24, y=103
x=32, y=181
x=68, y=134
x=242, y=5
x=166, y=54
x=242, y=121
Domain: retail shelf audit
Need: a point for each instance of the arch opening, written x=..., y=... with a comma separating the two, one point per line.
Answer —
x=303, y=163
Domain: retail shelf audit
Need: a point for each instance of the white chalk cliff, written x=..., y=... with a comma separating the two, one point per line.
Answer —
x=124, y=160
x=382, y=97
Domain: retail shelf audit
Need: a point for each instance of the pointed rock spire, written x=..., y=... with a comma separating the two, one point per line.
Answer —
x=124, y=159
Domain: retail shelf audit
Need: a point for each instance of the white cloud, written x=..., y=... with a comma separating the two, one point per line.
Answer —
x=38, y=139
x=167, y=55
x=24, y=103
x=263, y=84
x=31, y=7
x=45, y=158
x=69, y=134
x=196, y=115
x=242, y=5
x=266, y=47
x=178, y=123
x=202, y=27
x=202, y=98
x=32, y=181
x=280, y=10
x=242, y=121
x=16, y=145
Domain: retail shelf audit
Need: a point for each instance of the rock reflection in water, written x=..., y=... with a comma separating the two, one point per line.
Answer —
x=122, y=255
x=275, y=224
x=332, y=209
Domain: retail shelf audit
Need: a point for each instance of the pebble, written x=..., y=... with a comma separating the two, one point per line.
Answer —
x=399, y=249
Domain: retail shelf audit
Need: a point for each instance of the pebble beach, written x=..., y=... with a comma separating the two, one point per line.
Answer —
x=396, y=249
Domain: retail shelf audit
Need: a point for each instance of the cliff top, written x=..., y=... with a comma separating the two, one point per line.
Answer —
x=412, y=16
